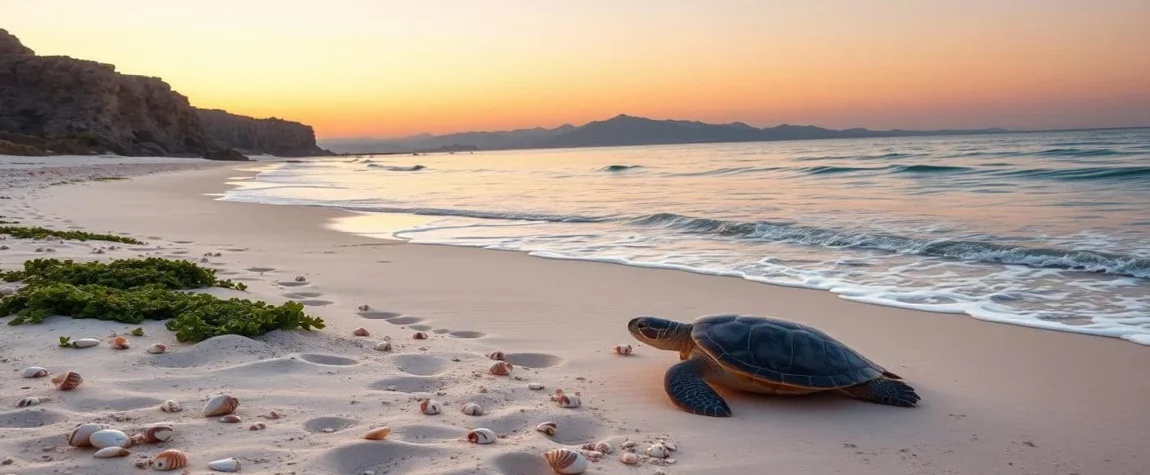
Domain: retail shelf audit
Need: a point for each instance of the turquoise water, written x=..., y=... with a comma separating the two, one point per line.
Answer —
x=1048, y=230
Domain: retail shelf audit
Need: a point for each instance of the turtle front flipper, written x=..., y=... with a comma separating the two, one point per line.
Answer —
x=685, y=385
x=885, y=391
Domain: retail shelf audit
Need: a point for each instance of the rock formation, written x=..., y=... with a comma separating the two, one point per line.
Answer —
x=255, y=136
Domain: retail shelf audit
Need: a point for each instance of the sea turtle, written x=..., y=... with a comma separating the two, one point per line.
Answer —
x=762, y=355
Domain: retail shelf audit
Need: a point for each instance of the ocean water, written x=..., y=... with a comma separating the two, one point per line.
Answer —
x=1046, y=230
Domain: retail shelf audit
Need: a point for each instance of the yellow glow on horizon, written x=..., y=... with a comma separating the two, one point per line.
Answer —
x=390, y=67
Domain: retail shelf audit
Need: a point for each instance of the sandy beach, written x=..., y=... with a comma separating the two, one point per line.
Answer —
x=997, y=399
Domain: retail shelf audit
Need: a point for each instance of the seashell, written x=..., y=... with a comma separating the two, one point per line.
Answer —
x=569, y=401
x=156, y=349
x=360, y=332
x=154, y=435
x=624, y=350
x=593, y=455
x=364, y=308
x=258, y=426
x=80, y=435
x=300, y=278
x=120, y=343
x=548, y=428
x=669, y=445
x=602, y=447
x=85, y=343
x=629, y=458
x=28, y=401
x=111, y=452
x=418, y=336
x=220, y=404
x=230, y=419
x=566, y=461
x=501, y=368
x=170, y=459
x=35, y=372
x=109, y=438
x=430, y=407
x=658, y=451
x=497, y=355
x=383, y=346
x=272, y=415
x=67, y=381
x=534, y=386
x=472, y=409
x=377, y=434
x=225, y=465
x=481, y=436
x=558, y=393
x=171, y=406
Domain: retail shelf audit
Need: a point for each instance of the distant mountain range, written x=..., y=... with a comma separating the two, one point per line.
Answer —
x=617, y=131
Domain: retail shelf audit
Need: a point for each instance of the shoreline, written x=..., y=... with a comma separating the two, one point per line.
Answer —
x=996, y=398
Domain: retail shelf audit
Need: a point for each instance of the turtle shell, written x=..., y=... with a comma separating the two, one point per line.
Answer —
x=782, y=352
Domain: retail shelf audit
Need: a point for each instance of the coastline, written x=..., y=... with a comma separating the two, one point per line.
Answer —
x=996, y=398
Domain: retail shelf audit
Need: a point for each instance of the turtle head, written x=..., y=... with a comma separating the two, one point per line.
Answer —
x=660, y=333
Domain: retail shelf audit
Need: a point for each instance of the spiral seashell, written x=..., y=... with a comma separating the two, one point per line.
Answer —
x=472, y=409
x=566, y=461
x=157, y=349
x=111, y=452
x=377, y=434
x=658, y=451
x=258, y=426
x=28, y=401
x=109, y=438
x=154, y=435
x=624, y=350
x=548, y=428
x=383, y=346
x=171, y=406
x=80, y=435
x=497, y=355
x=230, y=419
x=629, y=458
x=121, y=343
x=220, y=404
x=67, y=381
x=169, y=460
x=481, y=436
x=361, y=332
x=35, y=372
x=418, y=336
x=501, y=368
x=225, y=465
x=602, y=447
x=430, y=407
x=568, y=401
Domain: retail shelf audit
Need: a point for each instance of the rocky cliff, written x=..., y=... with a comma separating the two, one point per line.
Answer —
x=255, y=136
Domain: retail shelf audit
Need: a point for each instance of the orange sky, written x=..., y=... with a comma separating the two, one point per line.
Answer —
x=390, y=67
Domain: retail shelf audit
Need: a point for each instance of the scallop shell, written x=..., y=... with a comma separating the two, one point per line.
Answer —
x=377, y=434
x=225, y=465
x=28, y=401
x=418, y=336
x=624, y=350
x=548, y=428
x=85, y=343
x=170, y=459
x=109, y=438
x=258, y=426
x=472, y=409
x=80, y=435
x=230, y=419
x=171, y=406
x=220, y=404
x=629, y=458
x=658, y=451
x=361, y=332
x=497, y=355
x=111, y=452
x=383, y=346
x=154, y=435
x=35, y=372
x=566, y=461
x=121, y=343
x=430, y=407
x=156, y=348
x=501, y=368
x=602, y=447
x=481, y=436
x=67, y=381
x=569, y=401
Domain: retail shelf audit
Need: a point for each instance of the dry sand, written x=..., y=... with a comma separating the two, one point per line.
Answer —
x=997, y=399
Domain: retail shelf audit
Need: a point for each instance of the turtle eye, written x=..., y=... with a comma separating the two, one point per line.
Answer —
x=641, y=325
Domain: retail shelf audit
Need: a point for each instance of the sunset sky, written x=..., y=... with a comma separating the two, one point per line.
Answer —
x=388, y=68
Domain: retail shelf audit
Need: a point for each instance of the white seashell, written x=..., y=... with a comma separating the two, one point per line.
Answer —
x=549, y=428
x=501, y=368
x=569, y=401
x=602, y=447
x=658, y=451
x=220, y=404
x=566, y=461
x=35, y=372
x=155, y=434
x=67, y=381
x=497, y=355
x=418, y=336
x=430, y=407
x=120, y=343
x=472, y=409
x=28, y=401
x=170, y=459
x=629, y=458
x=110, y=452
x=156, y=348
x=230, y=419
x=383, y=346
x=535, y=386
x=624, y=350
x=481, y=436
x=225, y=465
x=361, y=332
x=80, y=435
x=171, y=406
x=109, y=438
x=377, y=434
x=85, y=343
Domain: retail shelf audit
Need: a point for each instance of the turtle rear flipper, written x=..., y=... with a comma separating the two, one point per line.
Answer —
x=685, y=385
x=884, y=391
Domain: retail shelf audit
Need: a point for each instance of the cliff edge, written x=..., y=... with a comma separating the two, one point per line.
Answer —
x=255, y=136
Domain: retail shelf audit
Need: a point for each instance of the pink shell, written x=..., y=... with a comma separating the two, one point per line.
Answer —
x=501, y=368
x=497, y=355
x=168, y=460
x=361, y=332
x=67, y=381
x=565, y=460
x=419, y=336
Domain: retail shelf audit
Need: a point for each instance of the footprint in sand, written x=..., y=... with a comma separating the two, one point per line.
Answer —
x=420, y=365
x=521, y=462
x=328, y=424
x=156, y=238
x=533, y=360
x=373, y=315
x=26, y=418
x=440, y=331
x=406, y=384
x=315, y=302
x=425, y=434
x=328, y=360
x=467, y=334
x=260, y=269
x=123, y=402
x=404, y=320
x=391, y=457
x=179, y=242
x=306, y=295
x=236, y=249
x=291, y=283
x=421, y=328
